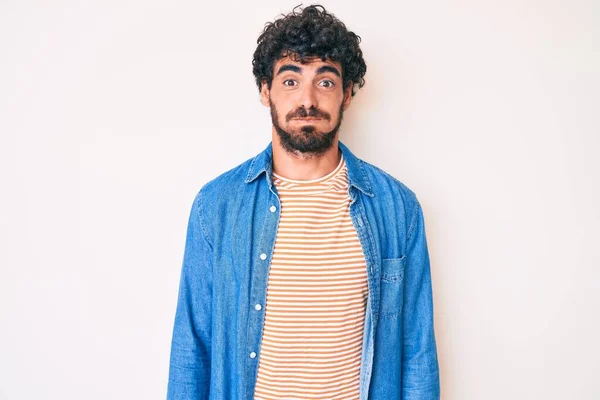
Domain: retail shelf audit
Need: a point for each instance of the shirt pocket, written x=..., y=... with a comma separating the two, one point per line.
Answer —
x=392, y=286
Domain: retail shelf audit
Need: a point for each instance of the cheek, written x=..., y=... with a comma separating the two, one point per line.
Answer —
x=334, y=111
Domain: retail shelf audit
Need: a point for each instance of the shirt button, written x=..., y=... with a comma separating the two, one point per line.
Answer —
x=252, y=355
x=273, y=208
x=257, y=307
x=263, y=256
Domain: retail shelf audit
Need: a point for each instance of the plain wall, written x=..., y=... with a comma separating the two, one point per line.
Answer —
x=114, y=113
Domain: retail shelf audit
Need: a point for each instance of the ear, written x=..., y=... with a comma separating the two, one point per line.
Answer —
x=347, y=96
x=265, y=93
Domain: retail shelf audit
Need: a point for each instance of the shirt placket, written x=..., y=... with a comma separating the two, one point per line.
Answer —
x=258, y=298
x=363, y=230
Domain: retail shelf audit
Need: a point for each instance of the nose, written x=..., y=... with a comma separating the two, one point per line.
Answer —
x=308, y=97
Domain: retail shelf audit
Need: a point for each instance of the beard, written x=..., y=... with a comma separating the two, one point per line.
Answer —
x=307, y=140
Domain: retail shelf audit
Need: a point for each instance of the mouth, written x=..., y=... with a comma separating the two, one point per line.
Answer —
x=306, y=119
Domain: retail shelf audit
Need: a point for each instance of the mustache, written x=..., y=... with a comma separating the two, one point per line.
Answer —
x=304, y=113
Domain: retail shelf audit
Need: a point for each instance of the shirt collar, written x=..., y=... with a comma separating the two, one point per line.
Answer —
x=357, y=177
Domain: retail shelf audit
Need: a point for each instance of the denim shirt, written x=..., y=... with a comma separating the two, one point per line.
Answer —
x=230, y=240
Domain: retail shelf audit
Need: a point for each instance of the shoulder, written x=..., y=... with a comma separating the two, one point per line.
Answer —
x=213, y=197
x=395, y=194
x=384, y=183
x=226, y=183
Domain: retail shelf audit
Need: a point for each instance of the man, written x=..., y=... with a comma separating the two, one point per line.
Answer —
x=306, y=272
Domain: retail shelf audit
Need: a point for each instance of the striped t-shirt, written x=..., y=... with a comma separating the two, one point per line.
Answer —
x=316, y=295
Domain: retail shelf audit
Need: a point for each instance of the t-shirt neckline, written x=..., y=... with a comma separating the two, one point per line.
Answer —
x=316, y=180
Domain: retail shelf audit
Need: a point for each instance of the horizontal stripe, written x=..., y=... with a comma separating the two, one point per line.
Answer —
x=317, y=291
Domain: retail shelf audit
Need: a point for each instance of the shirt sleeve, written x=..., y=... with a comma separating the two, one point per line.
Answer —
x=189, y=369
x=420, y=370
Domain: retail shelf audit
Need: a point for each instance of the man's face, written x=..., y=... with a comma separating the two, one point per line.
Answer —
x=307, y=102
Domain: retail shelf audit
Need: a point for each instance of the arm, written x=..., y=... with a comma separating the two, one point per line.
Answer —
x=420, y=371
x=189, y=369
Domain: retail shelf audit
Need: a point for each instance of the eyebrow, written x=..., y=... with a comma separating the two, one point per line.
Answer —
x=329, y=68
x=321, y=70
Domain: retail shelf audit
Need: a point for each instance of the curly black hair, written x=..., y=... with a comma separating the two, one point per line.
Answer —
x=309, y=32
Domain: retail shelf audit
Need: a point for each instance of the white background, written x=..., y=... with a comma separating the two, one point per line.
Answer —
x=114, y=113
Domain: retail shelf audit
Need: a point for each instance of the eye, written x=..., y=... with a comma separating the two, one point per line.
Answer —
x=327, y=83
x=289, y=82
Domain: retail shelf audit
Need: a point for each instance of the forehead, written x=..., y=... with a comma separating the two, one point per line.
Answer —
x=310, y=63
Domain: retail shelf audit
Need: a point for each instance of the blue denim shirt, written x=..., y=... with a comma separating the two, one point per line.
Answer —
x=230, y=240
